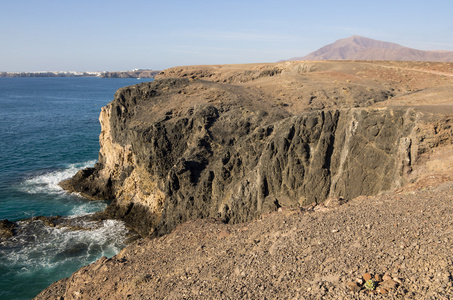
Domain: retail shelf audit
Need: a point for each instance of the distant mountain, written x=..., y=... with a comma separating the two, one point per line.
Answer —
x=361, y=48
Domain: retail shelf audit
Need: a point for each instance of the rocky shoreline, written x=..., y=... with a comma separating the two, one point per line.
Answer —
x=287, y=141
x=312, y=253
x=9, y=229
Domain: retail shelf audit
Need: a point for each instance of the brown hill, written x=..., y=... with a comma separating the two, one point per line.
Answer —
x=361, y=48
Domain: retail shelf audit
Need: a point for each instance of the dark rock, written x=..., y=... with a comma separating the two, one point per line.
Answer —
x=89, y=184
x=174, y=150
x=6, y=229
x=48, y=221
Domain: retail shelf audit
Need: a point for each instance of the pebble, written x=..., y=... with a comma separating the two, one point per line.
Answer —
x=223, y=234
x=366, y=276
x=396, y=279
x=389, y=284
x=353, y=286
x=386, y=277
x=343, y=259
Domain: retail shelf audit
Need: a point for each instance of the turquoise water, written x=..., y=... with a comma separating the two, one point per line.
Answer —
x=49, y=129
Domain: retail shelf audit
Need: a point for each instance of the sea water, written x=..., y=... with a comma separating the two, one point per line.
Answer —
x=49, y=130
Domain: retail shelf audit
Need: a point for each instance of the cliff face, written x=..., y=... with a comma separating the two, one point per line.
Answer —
x=180, y=149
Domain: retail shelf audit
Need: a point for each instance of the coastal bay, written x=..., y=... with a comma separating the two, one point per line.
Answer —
x=49, y=130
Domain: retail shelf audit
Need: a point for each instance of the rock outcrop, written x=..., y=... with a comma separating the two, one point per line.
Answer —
x=178, y=149
x=6, y=229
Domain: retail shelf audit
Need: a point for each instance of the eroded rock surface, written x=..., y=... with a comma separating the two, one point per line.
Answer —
x=178, y=149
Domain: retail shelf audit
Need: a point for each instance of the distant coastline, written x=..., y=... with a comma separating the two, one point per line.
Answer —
x=137, y=73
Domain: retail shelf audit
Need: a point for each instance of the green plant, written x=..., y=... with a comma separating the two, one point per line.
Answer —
x=370, y=284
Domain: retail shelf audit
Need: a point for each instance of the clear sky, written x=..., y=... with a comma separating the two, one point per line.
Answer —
x=98, y=35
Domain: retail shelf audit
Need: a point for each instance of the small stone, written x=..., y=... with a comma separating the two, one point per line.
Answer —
x=378, y=278
x=386, y=277
x=382, y=291
x=396, y=279
x=353, y=286
x=223, y=234
x=367, y=276
x=389, y=284
x=359, y=281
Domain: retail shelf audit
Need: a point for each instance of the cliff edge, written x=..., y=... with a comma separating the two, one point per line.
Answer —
x=234, y=142
x=287, y=180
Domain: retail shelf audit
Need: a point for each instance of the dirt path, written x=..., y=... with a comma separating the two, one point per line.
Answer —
x=310, y=254
x=413, y=69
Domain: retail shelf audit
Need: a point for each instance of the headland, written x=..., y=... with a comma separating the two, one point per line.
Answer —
x=277, y=143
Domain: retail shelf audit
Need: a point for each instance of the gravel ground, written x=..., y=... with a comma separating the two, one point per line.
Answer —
x=311, y=253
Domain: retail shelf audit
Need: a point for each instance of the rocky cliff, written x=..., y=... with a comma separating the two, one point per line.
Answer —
x=184, y=148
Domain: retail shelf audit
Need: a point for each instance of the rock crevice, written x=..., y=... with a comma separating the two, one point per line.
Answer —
x=178, y=149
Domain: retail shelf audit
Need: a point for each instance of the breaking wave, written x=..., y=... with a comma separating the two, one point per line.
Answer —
x=48, y=182
x=40, y=253
x=39, y=245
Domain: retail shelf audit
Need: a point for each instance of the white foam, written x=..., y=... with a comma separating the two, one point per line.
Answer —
x=87, y=208
x=48, y=182
x=50, y=247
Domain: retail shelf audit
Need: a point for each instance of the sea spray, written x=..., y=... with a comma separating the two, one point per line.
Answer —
x=48, y=182
x=39, y=251
x=39, y=193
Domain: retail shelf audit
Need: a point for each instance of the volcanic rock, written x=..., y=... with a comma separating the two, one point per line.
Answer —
x=6, y=229
x=216, y=142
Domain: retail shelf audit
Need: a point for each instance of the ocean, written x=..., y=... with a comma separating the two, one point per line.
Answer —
x=49, y=130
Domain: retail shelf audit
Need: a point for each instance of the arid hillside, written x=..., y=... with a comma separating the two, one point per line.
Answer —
x=298, y=86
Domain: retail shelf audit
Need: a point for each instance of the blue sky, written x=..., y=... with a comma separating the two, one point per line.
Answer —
x=114, y=35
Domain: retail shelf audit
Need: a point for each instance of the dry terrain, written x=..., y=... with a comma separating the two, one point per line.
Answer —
x=274, y=148
x=311, y=253
x=302, y=85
